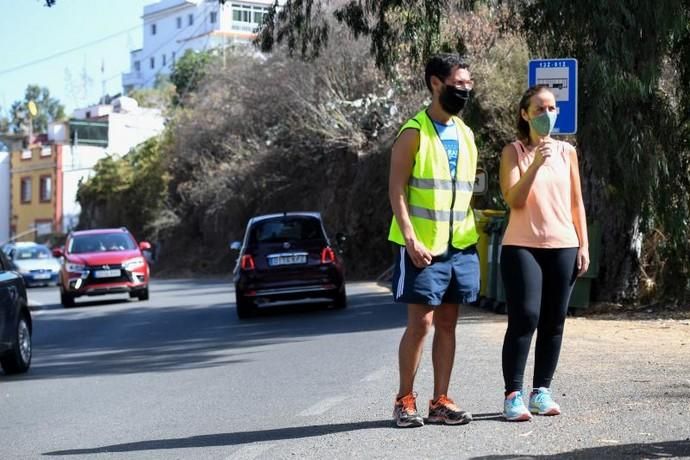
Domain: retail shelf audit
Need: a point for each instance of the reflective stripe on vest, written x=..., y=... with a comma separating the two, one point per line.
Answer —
x=430, y=194
x=440, y=184
x=438, y=216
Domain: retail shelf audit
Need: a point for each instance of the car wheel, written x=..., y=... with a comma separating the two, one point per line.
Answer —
x=143, y=294
x=66, y=299
x=18, y=359
x=340, y=300
x=245, y=307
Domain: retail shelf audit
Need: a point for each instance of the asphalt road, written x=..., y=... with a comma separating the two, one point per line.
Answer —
x=180, y=377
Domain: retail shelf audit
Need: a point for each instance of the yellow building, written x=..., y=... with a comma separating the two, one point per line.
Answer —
x=35, y=197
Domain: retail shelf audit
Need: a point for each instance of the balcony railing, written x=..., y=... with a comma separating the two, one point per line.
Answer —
x=133, y=78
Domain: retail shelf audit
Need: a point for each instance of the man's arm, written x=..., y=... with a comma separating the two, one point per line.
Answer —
x=402, y=162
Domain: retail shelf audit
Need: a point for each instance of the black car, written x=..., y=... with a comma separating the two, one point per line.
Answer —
x=287, y=258
x=15, y=321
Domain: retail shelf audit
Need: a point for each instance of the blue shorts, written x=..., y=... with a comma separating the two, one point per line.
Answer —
x=452, y=277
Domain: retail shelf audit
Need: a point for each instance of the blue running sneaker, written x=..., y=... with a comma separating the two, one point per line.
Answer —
x=541, y=403
x=514, y=409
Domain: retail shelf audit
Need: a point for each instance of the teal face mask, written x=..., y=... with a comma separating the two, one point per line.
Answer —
x=544, y=123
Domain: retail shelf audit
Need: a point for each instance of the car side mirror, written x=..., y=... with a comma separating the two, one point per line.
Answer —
x=235, y=246
x=58, y=252
x=481, y=184
x=145, y=246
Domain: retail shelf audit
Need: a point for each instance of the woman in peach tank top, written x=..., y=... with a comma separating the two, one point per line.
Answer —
x=544, y=249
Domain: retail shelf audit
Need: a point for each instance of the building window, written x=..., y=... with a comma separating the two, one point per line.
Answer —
x=213, y=17
x=242, y=15
x=46, y=189
x=25, y=190
x=164, y=60
x=152, y=62
x=179, y=22
x=190, y=20
x=43, y=227
x=46, y=152
x=137, y=66
x=248, y=18
x=27, y=154
x=153, y=29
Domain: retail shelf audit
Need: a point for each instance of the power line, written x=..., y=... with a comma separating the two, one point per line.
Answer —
x=100, y=40
x=71, y=50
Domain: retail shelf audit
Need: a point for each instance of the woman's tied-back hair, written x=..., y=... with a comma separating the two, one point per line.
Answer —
x=522, y=124
x=440, y=66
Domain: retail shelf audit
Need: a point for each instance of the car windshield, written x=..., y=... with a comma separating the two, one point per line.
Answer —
x=33, y=252
x=286, y=229
x=101, y=242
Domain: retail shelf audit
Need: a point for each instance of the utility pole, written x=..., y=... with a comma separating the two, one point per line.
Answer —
x=103, y=80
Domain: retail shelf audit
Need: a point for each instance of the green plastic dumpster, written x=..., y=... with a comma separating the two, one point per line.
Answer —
x=483, y=218
x=495, y=284
x=579, y=299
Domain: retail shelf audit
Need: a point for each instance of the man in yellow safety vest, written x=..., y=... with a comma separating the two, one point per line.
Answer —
x=433, y=166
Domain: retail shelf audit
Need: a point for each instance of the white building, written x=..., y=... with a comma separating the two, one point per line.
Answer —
x=94, y=133
x=171, y=27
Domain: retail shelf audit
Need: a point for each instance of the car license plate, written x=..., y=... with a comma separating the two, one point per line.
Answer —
x=107, y=273
x=287, y=259
x=42, y=276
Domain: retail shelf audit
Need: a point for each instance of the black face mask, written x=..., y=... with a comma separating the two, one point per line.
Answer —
x=453, y=99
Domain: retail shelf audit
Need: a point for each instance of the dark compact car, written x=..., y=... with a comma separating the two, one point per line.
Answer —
x=287, y=258
x=15, y=320
x=103, y=261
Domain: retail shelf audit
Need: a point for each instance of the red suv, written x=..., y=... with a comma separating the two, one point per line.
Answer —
x=104, y=261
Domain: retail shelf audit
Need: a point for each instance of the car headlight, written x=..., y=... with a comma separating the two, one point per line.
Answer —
x=74, y=268
x=132, y=264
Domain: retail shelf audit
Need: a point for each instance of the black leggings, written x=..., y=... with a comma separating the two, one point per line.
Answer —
x=538, y=283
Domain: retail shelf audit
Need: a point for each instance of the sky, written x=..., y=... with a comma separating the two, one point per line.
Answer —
x=105, y=31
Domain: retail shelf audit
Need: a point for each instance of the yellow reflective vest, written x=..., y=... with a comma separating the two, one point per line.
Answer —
x=438, y=204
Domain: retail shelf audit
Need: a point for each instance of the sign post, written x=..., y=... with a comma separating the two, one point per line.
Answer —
x=560, y=75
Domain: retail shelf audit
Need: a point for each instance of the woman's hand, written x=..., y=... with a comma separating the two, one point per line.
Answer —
x=421, y=257
x=582, y=261
x=542, y=152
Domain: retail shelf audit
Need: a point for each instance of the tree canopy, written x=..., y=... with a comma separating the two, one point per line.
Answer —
x=634, y=93
x=188, y=71
x=49, y=109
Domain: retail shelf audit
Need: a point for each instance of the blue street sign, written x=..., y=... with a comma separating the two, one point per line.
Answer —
x=561, y=76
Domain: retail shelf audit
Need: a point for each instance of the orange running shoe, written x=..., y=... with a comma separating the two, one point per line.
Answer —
x=405, y=412
x=444, y=410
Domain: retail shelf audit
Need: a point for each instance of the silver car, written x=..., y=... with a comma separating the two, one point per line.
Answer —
x=34, y=262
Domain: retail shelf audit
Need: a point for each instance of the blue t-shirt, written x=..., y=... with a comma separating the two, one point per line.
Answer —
x=449, y=138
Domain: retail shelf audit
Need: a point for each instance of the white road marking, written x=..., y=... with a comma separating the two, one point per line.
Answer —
x=250, y=452
x=322, y=406
x=376, y=375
